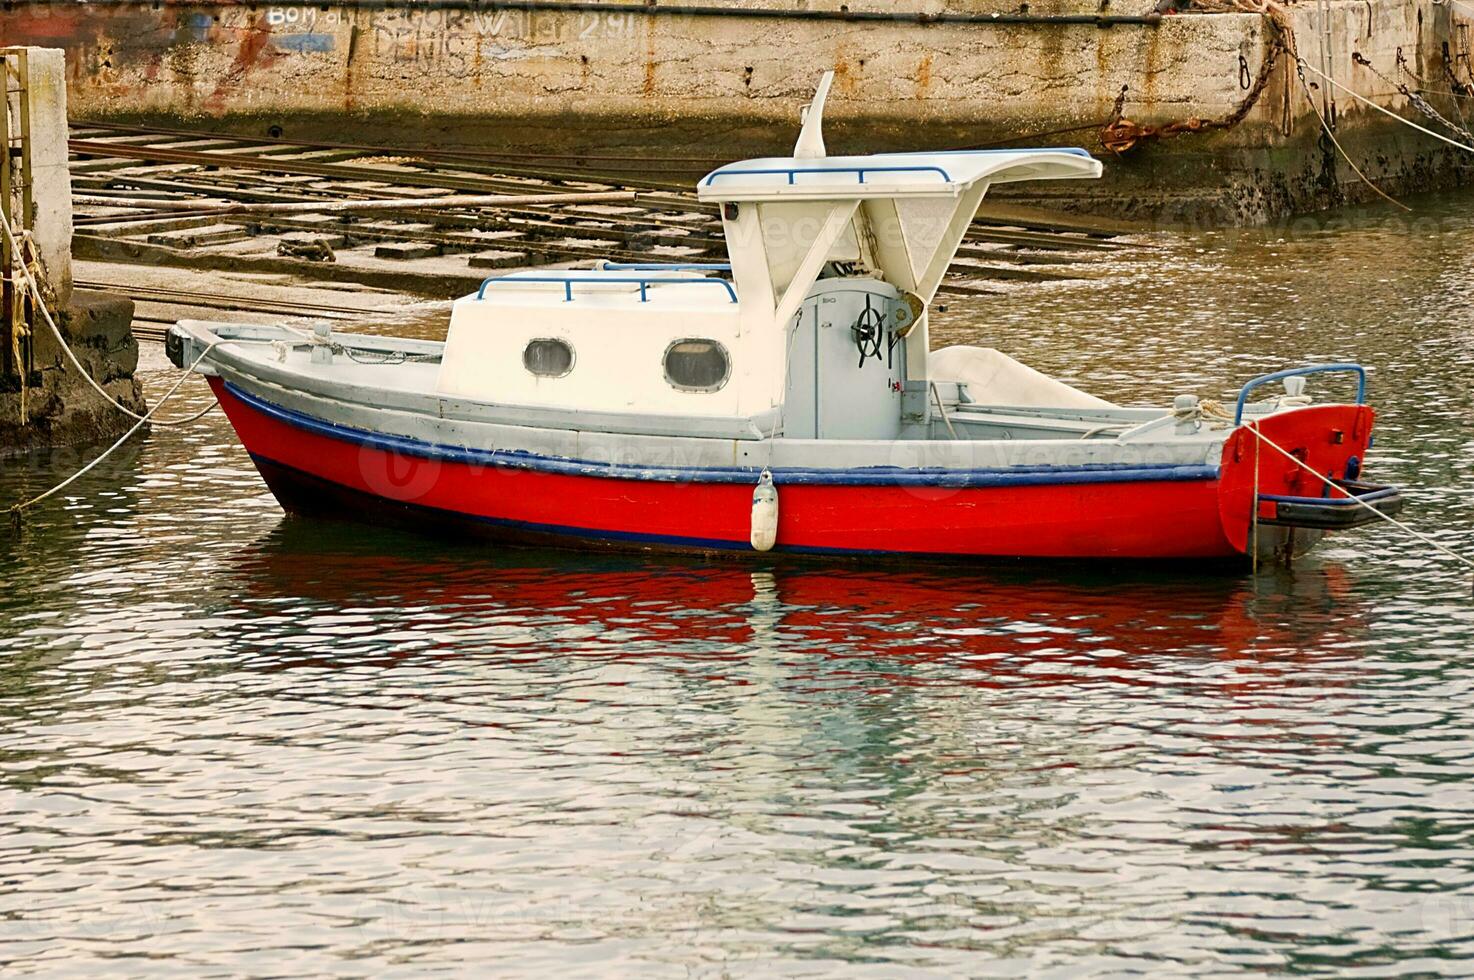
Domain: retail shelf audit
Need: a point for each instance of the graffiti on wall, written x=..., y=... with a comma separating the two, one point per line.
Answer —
x=102, y=40
x=457, y=42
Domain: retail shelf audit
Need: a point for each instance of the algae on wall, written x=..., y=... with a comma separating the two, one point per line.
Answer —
x=62, y=409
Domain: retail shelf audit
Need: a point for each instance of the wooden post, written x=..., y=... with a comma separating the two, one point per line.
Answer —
x=7, y=266
x=18, y=204
x=23, y=102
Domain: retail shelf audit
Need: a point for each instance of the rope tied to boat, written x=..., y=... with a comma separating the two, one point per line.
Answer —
x=1326, y=481
x=1216, y=412
x=1204, y=410
x=16, y=510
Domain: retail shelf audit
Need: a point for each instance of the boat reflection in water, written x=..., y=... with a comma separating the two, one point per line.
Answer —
x=702, y=740
x=988, y=627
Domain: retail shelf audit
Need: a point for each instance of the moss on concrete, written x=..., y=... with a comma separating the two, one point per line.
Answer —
x=62, y=409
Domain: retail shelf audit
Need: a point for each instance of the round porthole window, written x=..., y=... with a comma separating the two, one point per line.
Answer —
x=548, y=358
x=697, y=365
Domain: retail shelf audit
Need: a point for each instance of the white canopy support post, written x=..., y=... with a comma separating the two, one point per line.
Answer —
x=932, y=267
x=836, y=223
x=810, y=145
x=917, y=208
x=929, y=272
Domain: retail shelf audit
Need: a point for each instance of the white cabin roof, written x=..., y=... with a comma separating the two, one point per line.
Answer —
x=890, y=175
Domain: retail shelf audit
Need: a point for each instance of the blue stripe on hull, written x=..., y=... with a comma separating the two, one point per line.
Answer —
x=873, y=476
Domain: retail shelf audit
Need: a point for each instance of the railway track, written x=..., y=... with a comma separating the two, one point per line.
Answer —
x=435, y=251
x=151, y=325
x=215, y=301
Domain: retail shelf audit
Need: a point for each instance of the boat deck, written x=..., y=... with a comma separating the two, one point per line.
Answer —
x=401, y=374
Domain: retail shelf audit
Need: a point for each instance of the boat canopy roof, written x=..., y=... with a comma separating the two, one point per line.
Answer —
x=898, y=217
x=944, y=173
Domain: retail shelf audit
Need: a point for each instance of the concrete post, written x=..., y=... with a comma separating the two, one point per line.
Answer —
x=52, y=404
x=45, y=100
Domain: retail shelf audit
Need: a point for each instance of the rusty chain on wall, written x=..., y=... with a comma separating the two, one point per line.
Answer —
x=1122, y=134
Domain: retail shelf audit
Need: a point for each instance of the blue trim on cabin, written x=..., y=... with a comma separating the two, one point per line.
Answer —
x=870, y=476
x=792, y=172
x=568, y=282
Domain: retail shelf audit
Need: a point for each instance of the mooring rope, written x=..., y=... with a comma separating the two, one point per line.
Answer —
x=1215, y=410
x=1415, y=98
x=16, y=510
x=1254, y=428
x=1331, y=135
x=1402, y=119
x=35, y=290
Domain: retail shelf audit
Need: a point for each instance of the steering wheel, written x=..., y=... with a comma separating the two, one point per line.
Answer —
x=869, y=332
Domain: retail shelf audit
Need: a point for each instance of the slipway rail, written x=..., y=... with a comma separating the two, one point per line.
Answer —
x=423, y=220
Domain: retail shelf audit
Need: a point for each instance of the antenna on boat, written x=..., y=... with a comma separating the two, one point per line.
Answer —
x=810, y=144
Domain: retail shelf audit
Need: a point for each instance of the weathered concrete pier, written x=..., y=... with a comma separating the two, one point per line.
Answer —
x=1203, y=112
x=43, y=399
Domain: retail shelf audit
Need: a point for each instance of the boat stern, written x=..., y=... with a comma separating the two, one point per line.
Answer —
x=1288, y=478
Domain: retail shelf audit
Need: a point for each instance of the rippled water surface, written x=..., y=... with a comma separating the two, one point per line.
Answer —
x=234, y=743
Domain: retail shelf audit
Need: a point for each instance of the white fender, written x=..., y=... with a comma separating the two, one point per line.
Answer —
x=765, y=513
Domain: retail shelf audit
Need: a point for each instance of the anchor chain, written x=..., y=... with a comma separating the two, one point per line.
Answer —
x=1415, y=98
x=1122, y=134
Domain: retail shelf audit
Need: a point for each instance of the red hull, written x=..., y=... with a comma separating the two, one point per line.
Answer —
x=1148, y=519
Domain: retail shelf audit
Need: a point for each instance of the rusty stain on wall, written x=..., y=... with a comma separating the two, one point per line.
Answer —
x=247, y=54
x=648, y=89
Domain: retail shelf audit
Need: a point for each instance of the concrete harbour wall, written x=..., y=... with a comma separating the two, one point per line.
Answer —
x=728, y=82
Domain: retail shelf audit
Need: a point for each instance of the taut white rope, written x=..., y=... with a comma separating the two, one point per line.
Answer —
x=1361, y=98
x=1254, y=428
x=16, y=509
x=35, y=290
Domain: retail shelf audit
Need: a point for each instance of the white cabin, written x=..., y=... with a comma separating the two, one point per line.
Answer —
x=819, y=320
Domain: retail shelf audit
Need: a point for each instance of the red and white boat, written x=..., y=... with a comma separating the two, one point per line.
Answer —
x=786, y=403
